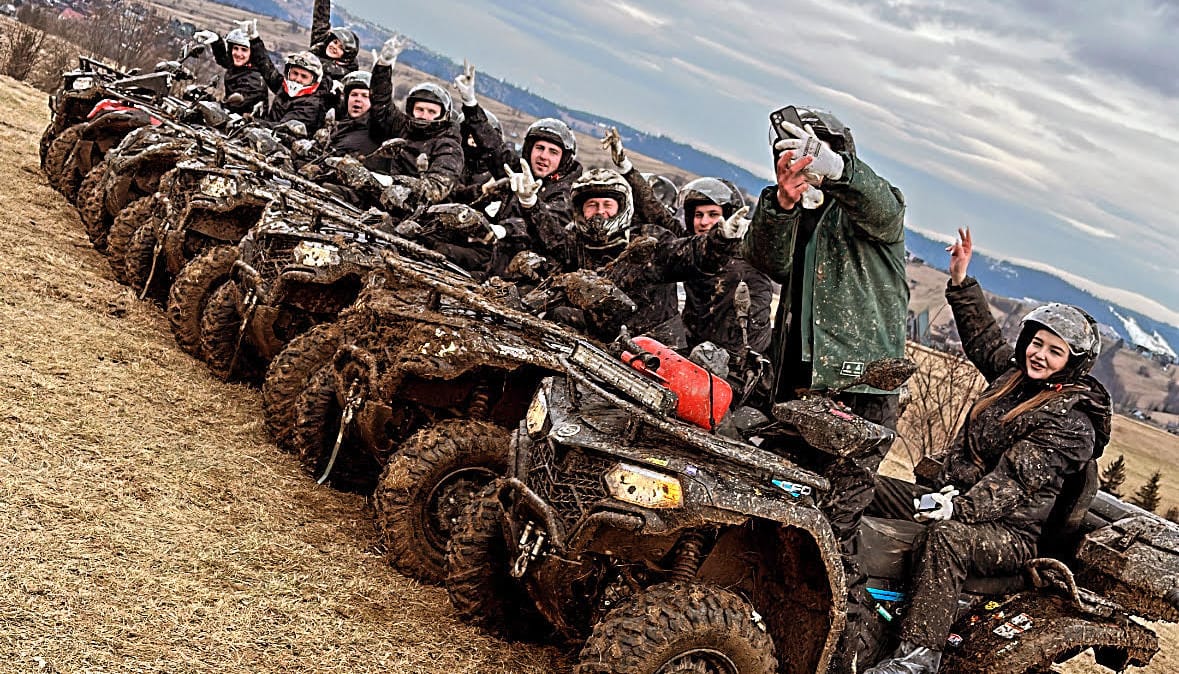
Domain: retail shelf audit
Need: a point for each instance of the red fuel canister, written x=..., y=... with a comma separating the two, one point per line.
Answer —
x=704, y=398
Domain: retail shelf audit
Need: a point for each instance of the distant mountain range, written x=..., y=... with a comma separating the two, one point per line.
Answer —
x=997, y=276
x=1010, y=280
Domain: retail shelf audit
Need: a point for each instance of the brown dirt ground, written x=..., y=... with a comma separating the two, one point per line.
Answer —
x=148, y=523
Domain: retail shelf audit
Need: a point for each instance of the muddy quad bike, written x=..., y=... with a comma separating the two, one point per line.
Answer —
x=433, y=373
x=670, y=548
x=200, y=204
x=292, y=272
x=128, y=172
x=81, y=89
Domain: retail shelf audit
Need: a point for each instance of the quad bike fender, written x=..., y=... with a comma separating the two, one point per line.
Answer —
x=1032, y=630
x=173, y=248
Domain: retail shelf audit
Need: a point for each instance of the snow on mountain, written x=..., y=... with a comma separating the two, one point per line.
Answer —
x=1153, y=342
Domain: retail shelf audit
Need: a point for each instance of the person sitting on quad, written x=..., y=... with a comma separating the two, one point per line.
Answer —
x=353, y=134
x=1041, y=419
x=430, y=161
x=548, y=164
x=843, y=303
x=336, y=47
x=301, y=91
x=709, y=314
x=241, y=77
x=643, y=260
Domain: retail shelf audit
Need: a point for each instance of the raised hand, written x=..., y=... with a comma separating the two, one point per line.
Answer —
x=249, y=27
x=735, y=226
x=827, y=162
x=523, y=184
x=205, y=37
x=960, y=253
x=613, y=142
x=465, y=83
x=391, y=50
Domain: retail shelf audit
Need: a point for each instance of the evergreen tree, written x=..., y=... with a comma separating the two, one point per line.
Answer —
x=1147, y=496
x=1112, y=477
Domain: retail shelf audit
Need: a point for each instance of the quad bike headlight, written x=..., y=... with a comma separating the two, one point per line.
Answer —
x=81, y=83
x=218, y=186
x=316, y=254
x=537, y=417
x=643, y=487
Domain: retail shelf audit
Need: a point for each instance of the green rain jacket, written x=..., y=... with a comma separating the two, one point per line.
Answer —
x=855, y=291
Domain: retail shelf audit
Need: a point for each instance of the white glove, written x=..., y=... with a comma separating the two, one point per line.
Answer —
x=249, y=27
x=391, y=49
x=337, y=88
x=812, y=198
x=489, y=186
x=613, y=142
x=734, y=227
x=827, y=162
x=205, y=37
x=936, y=506
x=465, y=83
x=523, y=184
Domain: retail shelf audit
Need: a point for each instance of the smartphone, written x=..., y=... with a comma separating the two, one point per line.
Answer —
x=927, y=504
x=787, y=114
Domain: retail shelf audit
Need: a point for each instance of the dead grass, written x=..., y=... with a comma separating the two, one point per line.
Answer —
x=148, y=525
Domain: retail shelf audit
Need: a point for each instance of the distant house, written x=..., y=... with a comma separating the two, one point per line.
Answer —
x=71, y=14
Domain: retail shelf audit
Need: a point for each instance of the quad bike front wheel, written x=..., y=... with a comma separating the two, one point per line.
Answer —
x=191, y=290
x=318, y=417
x=221, y=349
x=427, y=484
x=92, y=206
x=289, y=373
x=478, y=576
x=59, y=152
x=138, y=213
x=679, y=627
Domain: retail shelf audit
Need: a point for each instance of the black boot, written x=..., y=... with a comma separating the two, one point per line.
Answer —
x=909, y=659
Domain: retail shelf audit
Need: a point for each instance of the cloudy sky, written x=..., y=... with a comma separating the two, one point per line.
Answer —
x=1049, y=127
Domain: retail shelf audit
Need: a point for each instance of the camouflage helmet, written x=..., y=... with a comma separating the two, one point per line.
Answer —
x=1076, y=327
x=597, y=183
x=307, y=61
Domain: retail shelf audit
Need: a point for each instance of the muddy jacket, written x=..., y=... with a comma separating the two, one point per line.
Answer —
x=553, y=208
x=353, y=136
x=439, y=142
x=709, y=311
x=854, y=287
x=321, y=26
x=244, y=80
x=1010, y=473
x=310, y=109
x=648, y=281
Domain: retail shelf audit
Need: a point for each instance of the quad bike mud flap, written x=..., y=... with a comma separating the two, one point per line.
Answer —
x=1032, y=630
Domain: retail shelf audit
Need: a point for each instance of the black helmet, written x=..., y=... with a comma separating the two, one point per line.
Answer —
x=465, y=127
x=554, y=131
x=238, y=37
x=828, y=127
x=357, y=79
x=665, y=190
x=602, y=182
x=348, y=41
x=709, y=191
x=1076, y=327
x=430, y=93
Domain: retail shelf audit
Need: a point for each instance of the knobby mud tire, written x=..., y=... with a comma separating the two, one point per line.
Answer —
x=220, y=323
x=427, y=484
x=478, y=581
x=679, y=627
x=57, y=154
x=289, y=373
x=138, y=213
x=191, y=290
x=317, y=413
x=137, y=261
x=47, y=137
x=92, y=207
